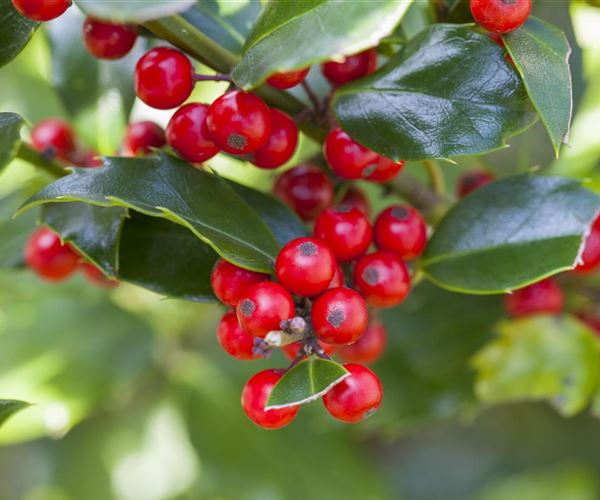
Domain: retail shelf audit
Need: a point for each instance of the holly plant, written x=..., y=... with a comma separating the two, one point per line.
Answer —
x=301, y=180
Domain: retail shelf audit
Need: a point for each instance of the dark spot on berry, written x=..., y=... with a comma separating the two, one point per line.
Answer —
x=370, y=275
x=236, y=141
x=400, y=213
x=369, y=169
x=248, y=307
x=308, y=248
x=336, y=317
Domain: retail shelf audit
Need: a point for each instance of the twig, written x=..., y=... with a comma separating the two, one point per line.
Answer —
x=311, y=95
x=219, y=77
x=30, y=155
x=436, y=177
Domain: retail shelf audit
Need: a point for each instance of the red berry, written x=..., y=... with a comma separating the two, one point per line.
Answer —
x=187, y=133
x=239, y=122
x=368, y=348
x=305, y=189
x=472, y=180
x=356, y=397
x=85, y=158
x=141, y=137
x=346, y=231
x=338, y=278
x=384, y=170
x=352, y=68
x=234, y=339
x=287, y=79
x=291, y=350
x=500, y=16
x=106, y=40
x=305, y=266
x=383, y=279
x=230, y=282
x=164, y=78
x=41, y=10
x=339, y=316
x=97, y=277
x=263, y=307
x=346, y=157
x=355, y=198
x=401, y=229
x=254, y=400
x=590, y=258
x=543, y=297
x=48, y=257
x=55, y=136
x=281, y=143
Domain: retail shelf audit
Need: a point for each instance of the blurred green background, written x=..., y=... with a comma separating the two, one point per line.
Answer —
x=134, y=399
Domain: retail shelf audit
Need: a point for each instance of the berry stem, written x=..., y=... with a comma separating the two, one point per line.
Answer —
x=218, y=77
x=422, y=197
x=311, y=94
x=436, y=177
x=30, y=155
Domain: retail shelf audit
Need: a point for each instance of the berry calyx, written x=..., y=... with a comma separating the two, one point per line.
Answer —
x=263, y=307
x=352, y=68
x=305, y=189
x=382, y=278
x=48, y=257
x=500, y=16
x=239, y=122
x=346, y=231
x=288, y=79
x=141, y=137
x=339, y=316
x=41, y=10
x=229, y=282
x=401, y=229
x=187, y=133
x=281, y=143
x=234, y=339
x=53, y=136
x=355, y=198
x=543, y=297
x=472, y=180
x=291, y=350
x=255, y=395
x=356, y=397
x=97, y=277
x=590, y=258
x=164, y=78
x=305, y=266
x=106, y=40
x=368, y=348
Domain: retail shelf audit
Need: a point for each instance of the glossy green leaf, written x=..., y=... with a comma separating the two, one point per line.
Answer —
x=166, y=187
x=14, y=232
x=290, y=34
x=8, y=407
x=133, y=11
x=510, y=233
x=10, y=136
x=540, y=358
x=449, y=92
x=541, y=54
x=306, y=382
x=15, y=31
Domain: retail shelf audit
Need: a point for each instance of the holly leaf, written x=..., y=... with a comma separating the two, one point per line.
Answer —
x=540, y=358
x=14, y=232
x=8, y=407
x=541, y=54
x=509, y=234
x=10, y=136
x=292, y=35
x=132, y=11
x=15, y=31
x=306, y=382
x=449, y=92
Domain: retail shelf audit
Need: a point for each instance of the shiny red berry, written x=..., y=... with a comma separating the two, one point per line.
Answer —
x=97, y=277
x=356, y=198
x=230, y=282
x=287, y=79
x=291, y=350
x=472, y=180
x=346, y=157
x=590, y=258
x=305, y=189
x=55, y=136
x=234, y=339
x=543, y=297
x=352, y=68
x=346, y=231
x=401, y=229
x=383, y=170
x=368, y=348
x=48, y=257
x=141, y=137
x=305, y=266
x=339, y=316
x=356, y=397
x=500, y=16
x=255, y=395
x=263, y=307
x=383, y=279
x=41, y=10
x=239, y=122
x=164, y=78
x=187, y=133
x=85, y=158
x=281, y=143
x=106, y=40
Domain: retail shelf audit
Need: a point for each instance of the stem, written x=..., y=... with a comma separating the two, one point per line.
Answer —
x=30, y=155
x=219, y=77
x=420, y=196
x=311, y=95
x=436, y=177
